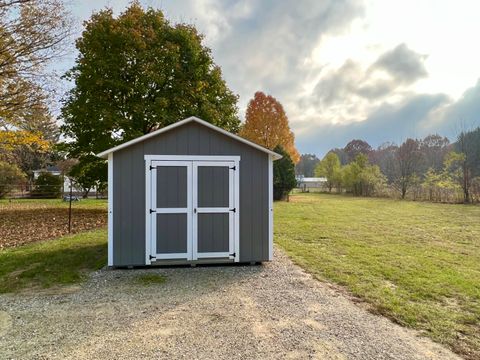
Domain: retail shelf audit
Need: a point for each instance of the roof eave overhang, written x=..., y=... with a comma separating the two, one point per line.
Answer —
x=104, y=154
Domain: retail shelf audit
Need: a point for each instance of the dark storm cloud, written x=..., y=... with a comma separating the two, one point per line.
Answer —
x=405, y=65
x=402, y=65
x=338, y=84
x=463, y=113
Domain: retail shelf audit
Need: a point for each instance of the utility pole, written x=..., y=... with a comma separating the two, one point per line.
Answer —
x=70, y=209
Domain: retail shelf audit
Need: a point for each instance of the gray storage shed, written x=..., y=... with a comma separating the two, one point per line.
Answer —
x=189, y=193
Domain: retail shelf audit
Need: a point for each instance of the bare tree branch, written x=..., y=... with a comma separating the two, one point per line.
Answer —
x=32, y=34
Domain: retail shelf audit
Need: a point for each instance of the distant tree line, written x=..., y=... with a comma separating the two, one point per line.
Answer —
x=430, y=169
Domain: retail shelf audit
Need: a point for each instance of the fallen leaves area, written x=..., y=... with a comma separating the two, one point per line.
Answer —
x=20, y=226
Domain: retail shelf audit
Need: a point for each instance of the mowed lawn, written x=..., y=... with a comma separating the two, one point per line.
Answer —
x=417, y=263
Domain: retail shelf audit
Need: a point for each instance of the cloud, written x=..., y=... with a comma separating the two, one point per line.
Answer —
x=464, y=112
x=416, y=116
x=263, y=45
x=365, y=97
x=389, y=122
x=404, y=65
x=393, y=70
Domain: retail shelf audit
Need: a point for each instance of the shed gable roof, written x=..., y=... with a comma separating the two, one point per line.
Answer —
x=104, y=154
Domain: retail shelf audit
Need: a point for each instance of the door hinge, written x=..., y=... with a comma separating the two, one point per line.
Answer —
x=233, y=168
x=152, y=257
x=152, y=167
x=233, y=255
x=152, y=211
x=234, y=210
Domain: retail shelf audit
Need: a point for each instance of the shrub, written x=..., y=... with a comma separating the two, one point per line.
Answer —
x=283, y=175
x=362, y=179
x=48, y=186
x=10, y=176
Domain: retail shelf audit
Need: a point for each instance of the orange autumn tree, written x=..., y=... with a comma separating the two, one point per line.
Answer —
x=267, y=124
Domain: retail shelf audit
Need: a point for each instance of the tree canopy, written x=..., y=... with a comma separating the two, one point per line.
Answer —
x=330, y=168
x=283, y=174
x=306, y=165
x=266, y=124
x=136, y=73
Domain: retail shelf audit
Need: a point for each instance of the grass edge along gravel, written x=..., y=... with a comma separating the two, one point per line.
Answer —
x=51, y=263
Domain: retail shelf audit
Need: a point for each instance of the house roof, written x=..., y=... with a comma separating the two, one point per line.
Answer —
x=104, y=154
x=312, y=179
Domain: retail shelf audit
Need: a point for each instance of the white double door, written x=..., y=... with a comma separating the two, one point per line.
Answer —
x=193, y=211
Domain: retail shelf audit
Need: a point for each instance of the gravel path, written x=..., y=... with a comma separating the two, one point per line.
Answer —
x=273, y=311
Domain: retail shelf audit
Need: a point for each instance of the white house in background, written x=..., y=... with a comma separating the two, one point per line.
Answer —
x=307, y=183
x=66, y=180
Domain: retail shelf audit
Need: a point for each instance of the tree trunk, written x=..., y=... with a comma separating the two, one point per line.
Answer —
x=85, y=193
x=466, y=192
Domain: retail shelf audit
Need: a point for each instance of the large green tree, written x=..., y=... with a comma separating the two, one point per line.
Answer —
x=136, y=73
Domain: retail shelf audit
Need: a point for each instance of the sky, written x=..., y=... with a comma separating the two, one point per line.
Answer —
x=376, y=70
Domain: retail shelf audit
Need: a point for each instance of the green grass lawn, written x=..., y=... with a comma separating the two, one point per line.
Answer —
x=417, y=263
x=51, y=263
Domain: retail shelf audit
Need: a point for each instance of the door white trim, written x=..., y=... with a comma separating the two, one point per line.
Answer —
x=232, y=215
x=192, y=157
x=153, y=203
x=236, y=223
x=173, y=256
x=148, y=206
x=209, y=255
x=150, y=197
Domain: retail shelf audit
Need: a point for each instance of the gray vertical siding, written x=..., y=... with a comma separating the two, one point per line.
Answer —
x=171, y=233
x=189, y=139
x=213, y=186
x=213, y=232
x=171, y=186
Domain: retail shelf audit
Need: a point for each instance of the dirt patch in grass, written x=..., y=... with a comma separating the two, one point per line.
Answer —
x=25, y=225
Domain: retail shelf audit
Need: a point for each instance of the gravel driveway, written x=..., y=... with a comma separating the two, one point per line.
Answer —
x=273, y=311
